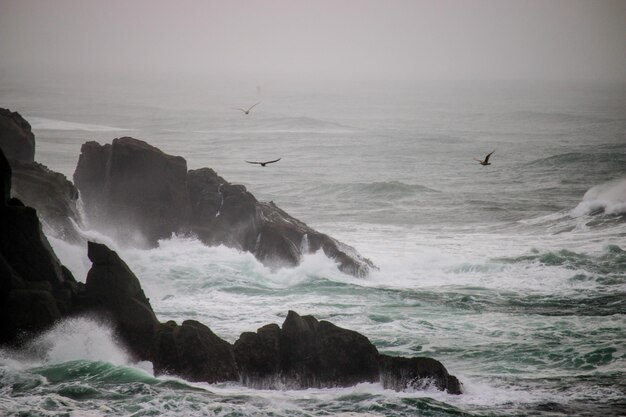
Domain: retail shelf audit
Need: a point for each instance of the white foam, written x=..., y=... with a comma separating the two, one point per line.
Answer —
x=69, y=340
x=609, y=197
x=74, y=257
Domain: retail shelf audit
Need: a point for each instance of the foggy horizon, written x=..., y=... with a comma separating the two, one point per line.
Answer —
x=402, y=41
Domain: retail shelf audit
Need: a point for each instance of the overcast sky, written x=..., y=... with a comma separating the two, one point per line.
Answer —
x=486, y=39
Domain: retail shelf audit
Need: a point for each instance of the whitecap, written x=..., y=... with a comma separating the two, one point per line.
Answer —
x=608, y=198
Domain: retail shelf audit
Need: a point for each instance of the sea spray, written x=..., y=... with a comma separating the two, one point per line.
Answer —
x=607, y=198
x=77, y=338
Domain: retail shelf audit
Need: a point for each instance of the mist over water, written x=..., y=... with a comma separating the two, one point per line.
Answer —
x=512, y=275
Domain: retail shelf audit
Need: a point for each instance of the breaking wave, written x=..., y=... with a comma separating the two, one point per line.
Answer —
x=606, y=198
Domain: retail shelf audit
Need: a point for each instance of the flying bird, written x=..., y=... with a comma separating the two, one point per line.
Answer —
x=486, y=161
x=244, y=110
x=264, y=163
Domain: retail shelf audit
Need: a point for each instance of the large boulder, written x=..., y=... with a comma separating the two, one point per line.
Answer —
x=113, y=291
x=308, y=353
x=305, y=353
x=52, y=195
x=401, y=373
x=16, y=138
x=192, y=351
x=133, y=190
x=222, y=213
x=258, y=357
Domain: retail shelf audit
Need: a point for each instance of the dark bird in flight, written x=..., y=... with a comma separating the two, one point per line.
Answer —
x=486, y=161
x=264, y=163
x=244, y=110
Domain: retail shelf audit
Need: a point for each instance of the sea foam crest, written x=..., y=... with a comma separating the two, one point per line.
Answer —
x=608, y=198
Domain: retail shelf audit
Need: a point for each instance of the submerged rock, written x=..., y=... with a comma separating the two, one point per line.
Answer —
x=131, y=189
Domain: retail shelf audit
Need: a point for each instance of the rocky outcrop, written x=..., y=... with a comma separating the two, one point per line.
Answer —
x=193, y=352
x=16, y=138
x=400, y=373
x=35, y=289
x=307, y=353
x=130, y=188
x=50, y=193
x=133, y=190
x=114, y=292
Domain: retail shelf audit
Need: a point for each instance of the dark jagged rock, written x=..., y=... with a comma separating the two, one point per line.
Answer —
x=194, y=352
x=330, y=355
x=222, y=213
x=52, y=195
x=305, y=353
x=16, y=138
x=285, y=237
x=49, y=192
x=35, y=289
x=191, y=350
x=400, y=373
x=111, y=288
x=258, y=357
x=130, y=188
x=309, y=353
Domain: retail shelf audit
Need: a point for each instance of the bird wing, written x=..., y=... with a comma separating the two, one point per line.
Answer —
x=270, y=162
x=254, y=105
x=252, y=162
x=487, y=157
x=239, y=108
x=476, y=159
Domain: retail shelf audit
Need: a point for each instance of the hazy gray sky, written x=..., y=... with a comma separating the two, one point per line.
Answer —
x=484, y=39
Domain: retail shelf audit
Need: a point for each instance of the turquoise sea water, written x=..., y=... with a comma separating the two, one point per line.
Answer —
x=513, y=275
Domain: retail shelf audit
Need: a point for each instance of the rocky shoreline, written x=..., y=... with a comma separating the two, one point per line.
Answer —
x=36, y=290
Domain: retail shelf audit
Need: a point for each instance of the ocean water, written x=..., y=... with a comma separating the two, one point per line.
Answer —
x=512, y=275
